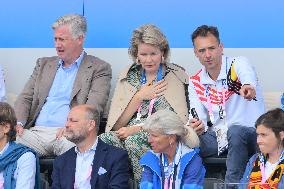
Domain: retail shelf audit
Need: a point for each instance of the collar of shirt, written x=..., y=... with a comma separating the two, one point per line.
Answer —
x=93, y=148
x=77, y=61
x=84, y=166
x=205, y=79
x=4, y=149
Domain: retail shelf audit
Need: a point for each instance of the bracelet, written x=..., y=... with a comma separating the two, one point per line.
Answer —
x=20, y=123
x=141, y=127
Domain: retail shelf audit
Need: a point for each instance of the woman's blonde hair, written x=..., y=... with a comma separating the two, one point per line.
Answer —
x=149, y=34
x=168, y=123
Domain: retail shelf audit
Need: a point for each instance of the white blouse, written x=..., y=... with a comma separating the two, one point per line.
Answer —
x=269, y=168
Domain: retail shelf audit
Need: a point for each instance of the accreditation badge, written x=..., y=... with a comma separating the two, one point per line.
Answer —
x=221, y=129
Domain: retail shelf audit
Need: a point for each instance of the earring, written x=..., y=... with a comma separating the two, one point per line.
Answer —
x=137, y=61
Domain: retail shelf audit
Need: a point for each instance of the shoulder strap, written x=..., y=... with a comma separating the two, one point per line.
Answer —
x=187, y=97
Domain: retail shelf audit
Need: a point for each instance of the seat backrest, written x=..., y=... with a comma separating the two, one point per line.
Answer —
x=44, y=183
x=132, y=184
x=209, y=182
x=272, y=100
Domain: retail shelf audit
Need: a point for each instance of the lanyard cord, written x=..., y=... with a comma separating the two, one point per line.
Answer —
x=262, y=163
x=223, y=100
x=175, y=161
x=163, y=174
x=143, y=81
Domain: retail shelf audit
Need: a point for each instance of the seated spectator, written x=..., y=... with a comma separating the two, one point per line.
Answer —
x=173, y=162
x=265, y=169
x=151, y=83
x=92, y=163
x=19, y=165
x=57, y=84
x=227, y=97
x=2, y=86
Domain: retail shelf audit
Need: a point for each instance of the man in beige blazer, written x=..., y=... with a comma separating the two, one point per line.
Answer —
x=56, y=85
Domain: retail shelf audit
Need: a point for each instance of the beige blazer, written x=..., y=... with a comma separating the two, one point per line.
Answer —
x=175, y=94
x=91, y=86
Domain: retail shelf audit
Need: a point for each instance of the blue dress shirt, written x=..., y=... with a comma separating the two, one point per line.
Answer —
x=57, y=106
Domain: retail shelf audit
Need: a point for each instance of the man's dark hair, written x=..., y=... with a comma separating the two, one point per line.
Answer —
x=8, y=116
x=203, y=31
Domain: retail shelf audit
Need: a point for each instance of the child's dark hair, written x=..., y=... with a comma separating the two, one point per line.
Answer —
x=273, y=119
x=7, y=116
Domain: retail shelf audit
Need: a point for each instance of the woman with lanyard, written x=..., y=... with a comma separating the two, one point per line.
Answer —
x=265, y=169
x=19, y=165
x=151, y=83
x=173, y=163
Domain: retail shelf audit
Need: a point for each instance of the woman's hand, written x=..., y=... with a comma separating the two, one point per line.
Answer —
x=125, y=132
x=150, y=91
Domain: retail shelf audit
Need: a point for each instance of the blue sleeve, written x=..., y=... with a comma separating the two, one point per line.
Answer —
x=194, y=174
x=147, y=178
x=248, y=170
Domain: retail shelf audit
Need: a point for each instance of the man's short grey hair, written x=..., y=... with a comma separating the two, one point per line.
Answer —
x=167, y=122
x=92, y=114
x=77, y=24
